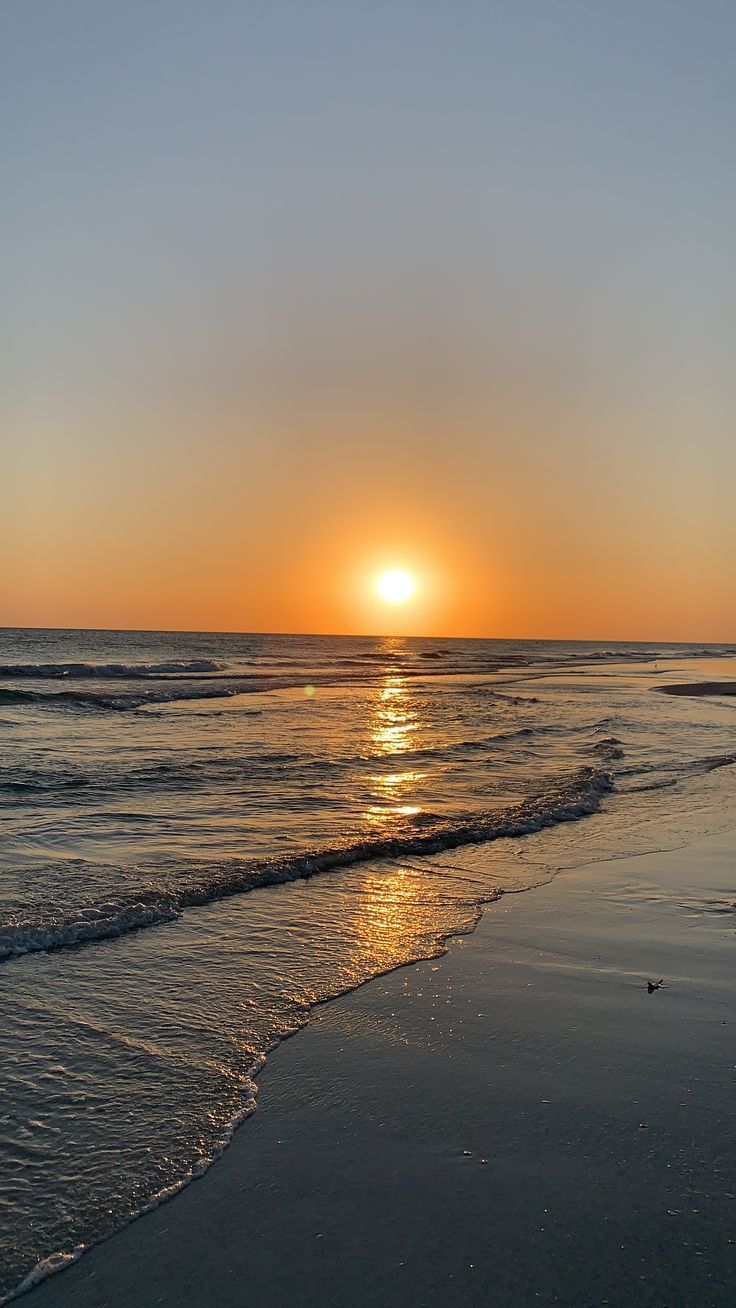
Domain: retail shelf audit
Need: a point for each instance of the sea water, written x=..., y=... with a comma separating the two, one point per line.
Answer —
x=203, y=835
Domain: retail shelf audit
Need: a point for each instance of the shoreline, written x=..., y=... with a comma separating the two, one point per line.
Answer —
x=363, y=1127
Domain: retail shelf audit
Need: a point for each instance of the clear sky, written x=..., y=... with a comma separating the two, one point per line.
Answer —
x=296, y=291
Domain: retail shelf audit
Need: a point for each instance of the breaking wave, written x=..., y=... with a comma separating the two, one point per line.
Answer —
x=118, y=703
x=574, y=797
x=119, y=671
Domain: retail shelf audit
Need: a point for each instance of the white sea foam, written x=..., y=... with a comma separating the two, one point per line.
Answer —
x=62, y=1259
x=55, y=1262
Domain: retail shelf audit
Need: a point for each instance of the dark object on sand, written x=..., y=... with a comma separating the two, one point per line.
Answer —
x=654, y=985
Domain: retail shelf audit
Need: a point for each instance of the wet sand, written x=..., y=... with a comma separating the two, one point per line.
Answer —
x=699, y=688
x=517, y=1123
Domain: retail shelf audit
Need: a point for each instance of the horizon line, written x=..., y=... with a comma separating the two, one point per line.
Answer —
x=204, y=631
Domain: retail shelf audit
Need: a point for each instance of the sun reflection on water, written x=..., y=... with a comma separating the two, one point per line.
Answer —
x=394, y=729
x=398, y=910
x=395, y=718
x=393, y=918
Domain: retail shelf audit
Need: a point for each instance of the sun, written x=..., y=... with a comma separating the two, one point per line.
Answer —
x=395, y=586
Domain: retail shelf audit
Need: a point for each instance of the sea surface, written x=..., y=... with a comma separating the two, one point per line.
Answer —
x=204, y=835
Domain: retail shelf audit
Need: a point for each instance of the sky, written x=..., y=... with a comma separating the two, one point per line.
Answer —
x=294, y=292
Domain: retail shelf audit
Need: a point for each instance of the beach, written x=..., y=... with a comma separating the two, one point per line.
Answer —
x=201, y=861
x=518, y=1122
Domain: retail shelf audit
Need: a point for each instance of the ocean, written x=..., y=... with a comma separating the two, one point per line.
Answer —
x=205, y=835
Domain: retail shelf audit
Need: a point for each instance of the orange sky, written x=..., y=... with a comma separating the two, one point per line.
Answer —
x=495, y=540
x=284, y=311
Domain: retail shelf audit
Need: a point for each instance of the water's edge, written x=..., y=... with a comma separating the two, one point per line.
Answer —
x=62, y=1260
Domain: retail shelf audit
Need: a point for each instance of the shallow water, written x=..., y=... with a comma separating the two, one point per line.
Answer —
x=166, y=801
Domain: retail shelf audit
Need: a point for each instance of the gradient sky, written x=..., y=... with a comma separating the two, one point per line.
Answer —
x=292, y=292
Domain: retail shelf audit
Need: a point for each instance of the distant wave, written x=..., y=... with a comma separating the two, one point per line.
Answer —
x=165, y=692
x=574, y=797
x=182, y=690
x=117, y=703
x=72, y=671
x=184, y=680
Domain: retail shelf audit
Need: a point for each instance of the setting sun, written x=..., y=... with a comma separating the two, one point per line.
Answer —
x=395, y=586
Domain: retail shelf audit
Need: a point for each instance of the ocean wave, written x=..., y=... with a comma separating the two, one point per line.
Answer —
x=663, y=775
x=30, y=781
x=89, y=922
x=175, y=680
x=232, y=768
x=175, y=691
x=684, y=767
x=608, y=748
x=72, y=671
x=715, y=761
x=92, y=699
x=574, y=797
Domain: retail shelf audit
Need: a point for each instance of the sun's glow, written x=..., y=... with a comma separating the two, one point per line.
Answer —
x=395, y=586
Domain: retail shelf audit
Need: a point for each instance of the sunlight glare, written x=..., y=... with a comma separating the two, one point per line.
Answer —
x=395, y=586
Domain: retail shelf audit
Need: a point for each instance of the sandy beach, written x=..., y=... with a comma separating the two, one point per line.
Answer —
x=519, y=1122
